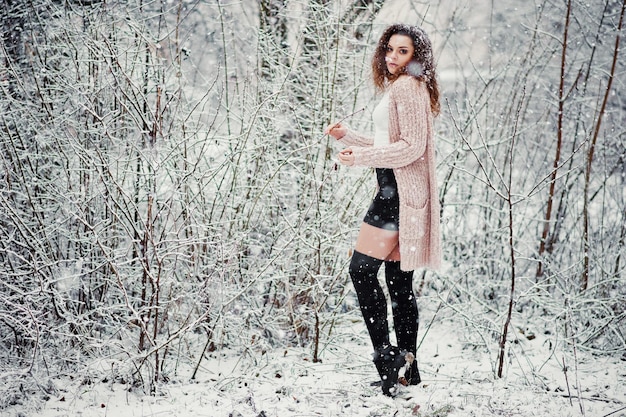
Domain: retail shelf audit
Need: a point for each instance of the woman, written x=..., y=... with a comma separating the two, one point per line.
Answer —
x=401, y=226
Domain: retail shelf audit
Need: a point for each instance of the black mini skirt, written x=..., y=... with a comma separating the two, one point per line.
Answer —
x=384, y=212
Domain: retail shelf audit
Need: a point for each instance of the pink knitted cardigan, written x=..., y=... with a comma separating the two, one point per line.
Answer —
x=411, y=155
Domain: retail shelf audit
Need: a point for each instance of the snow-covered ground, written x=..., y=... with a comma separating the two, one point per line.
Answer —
x=458, y=380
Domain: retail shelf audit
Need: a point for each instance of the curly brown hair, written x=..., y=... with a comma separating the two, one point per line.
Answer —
x=422, y=66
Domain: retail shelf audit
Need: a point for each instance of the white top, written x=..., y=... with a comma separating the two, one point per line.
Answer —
x=380, y=117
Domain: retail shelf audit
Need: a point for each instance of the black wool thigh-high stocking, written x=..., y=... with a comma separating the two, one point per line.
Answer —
x=405, y=314
x=403, y=305
x=372, y=302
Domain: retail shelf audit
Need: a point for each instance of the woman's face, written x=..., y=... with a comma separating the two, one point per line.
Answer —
x=399, y=53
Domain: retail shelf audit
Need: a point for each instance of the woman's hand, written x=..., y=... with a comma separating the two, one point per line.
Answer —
x=346, y=157
x=336, y=130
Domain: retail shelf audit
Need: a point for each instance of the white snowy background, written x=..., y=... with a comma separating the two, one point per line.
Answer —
x=174, y=233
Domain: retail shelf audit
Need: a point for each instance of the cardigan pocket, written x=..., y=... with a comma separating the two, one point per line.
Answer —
x=415, y=236
x=414, y=222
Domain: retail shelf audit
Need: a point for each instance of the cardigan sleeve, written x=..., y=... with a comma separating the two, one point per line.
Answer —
x=410, y=124
x=351, y=138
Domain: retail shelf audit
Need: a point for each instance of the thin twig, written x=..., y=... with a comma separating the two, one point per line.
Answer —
x=613, y=412
x=346, y=117
x=569, y=393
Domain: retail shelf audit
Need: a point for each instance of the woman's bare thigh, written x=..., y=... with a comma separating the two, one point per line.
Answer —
x=378, y=243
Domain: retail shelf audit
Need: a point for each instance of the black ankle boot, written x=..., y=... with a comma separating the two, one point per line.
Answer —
x=388, y=361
